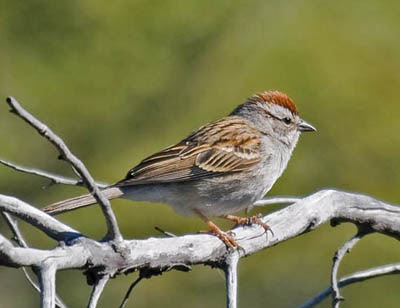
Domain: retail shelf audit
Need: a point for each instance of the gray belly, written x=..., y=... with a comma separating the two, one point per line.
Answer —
x=212, y=197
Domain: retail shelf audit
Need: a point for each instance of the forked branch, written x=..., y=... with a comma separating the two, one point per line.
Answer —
x=65, y=154
x=337, y=259
x=379, y=271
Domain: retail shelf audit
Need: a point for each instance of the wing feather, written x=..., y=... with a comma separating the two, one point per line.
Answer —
x=226, y=146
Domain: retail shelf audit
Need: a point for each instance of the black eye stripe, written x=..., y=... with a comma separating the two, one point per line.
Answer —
x=268, y=114
x=286, y=120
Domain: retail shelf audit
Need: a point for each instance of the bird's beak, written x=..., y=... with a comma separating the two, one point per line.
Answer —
x=306, y=127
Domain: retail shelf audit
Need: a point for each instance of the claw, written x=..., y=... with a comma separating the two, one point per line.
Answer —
x=248, y=221
x=227, y=238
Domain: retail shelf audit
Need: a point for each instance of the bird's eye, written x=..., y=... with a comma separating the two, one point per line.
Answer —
x=287, y=120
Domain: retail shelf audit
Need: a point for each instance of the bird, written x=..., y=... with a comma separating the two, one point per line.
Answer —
x=221, y=168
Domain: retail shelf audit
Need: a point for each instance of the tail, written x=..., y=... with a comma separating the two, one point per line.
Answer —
x=81, y=201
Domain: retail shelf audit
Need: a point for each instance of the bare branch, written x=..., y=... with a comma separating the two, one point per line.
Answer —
x=337, y=259
x=30, y=279
x=12, y=223
x=112, y=226
x=231, y=279
x=54, y=178
x=128, y=293
x=166, y=233
x=276, y=200
x=388, y=269
x=63, y=257
x=6, y=258
x=303, y=216
x=339, y=254
x=97, y=291
x=59, y=302
x=20, y=240
x=48, y=286
x=161, y=254
x=49, y=225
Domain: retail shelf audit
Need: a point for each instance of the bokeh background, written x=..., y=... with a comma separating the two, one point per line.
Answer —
x=119, y=80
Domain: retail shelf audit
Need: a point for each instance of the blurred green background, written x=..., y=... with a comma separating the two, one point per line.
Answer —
x=120, y=80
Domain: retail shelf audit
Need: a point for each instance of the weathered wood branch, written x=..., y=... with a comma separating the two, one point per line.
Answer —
x=337, y=259
x=54, y=178
x=231, y=279
x=21, y=242
x=49, y=225
x=158, y=254
x=48, y=285
x=97, y=290
x=65, y=154
x=379, y=271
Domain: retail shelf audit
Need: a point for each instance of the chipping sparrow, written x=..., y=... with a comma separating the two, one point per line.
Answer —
x=223, y=167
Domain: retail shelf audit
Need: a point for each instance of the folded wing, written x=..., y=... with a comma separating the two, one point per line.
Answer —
x=226, y=146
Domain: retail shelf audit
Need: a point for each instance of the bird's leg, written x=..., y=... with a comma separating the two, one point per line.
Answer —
x=228, y=240
x=247, y=221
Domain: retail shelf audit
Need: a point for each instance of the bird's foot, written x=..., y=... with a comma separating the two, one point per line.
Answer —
x=226, y=237
x=248, y=221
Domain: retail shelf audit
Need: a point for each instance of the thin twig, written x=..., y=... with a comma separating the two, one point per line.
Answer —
x=277, y=200
x=231, y=279
x=12, y=223
x=54, y=178
x=338, y=257
x=112, y=225
x=388, y=269
x=97, y=291
x=128, y=293
x=30, y=279
x=166, y=233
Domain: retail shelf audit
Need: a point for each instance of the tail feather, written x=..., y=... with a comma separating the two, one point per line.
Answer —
x=79, y=202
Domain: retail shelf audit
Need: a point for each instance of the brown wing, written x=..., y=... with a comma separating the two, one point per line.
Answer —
x=226, y=146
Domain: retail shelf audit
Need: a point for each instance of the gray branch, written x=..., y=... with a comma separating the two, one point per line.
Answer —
x=388, y=269
x=161, y=253
x=97, y=290
x=49, y=225
x=20, y=240
x=13, y=225
x=48, y=286
x=231, y=278
x=337, y=259
x=276, y=200
x=112, y=226
x=54, y=178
